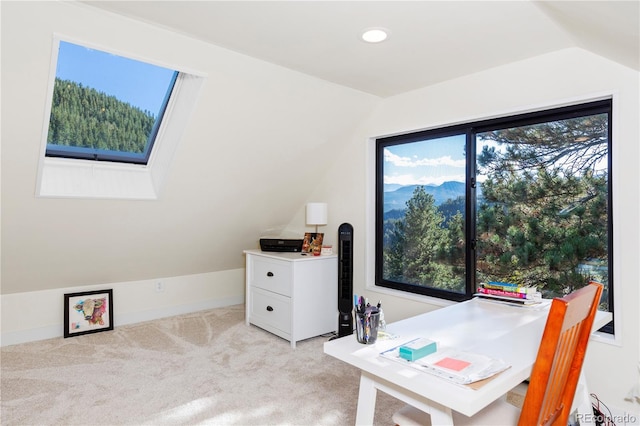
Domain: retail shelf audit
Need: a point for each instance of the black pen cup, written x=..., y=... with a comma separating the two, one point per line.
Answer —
x=367, y=327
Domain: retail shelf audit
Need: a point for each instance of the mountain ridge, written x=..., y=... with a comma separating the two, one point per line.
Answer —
x=396, y=197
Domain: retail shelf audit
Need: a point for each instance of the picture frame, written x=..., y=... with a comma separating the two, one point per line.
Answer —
x=88, y=312
x=312, y=242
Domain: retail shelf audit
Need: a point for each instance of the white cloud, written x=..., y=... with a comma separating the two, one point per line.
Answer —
x=399, y=161
x=422, y=180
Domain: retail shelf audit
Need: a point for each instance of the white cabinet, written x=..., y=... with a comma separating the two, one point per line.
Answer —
x=291, y=295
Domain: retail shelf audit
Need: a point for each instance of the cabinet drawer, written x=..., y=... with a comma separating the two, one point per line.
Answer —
x=270, y=309
x=272, y=275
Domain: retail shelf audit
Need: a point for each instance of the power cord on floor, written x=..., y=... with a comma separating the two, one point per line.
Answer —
x=331, y=336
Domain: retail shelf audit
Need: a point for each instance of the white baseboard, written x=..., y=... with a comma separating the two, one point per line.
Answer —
x=33, y=316
x=51, y=332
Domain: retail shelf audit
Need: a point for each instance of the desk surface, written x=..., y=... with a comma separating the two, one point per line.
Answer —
x=511, y=333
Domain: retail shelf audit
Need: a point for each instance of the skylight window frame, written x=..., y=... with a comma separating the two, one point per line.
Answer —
x=93, y=154
x=82, y=153
x=59, y=177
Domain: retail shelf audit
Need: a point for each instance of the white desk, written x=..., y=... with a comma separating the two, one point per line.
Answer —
x=511, y=333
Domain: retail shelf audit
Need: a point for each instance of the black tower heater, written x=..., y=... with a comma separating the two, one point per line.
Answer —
x=345, y=280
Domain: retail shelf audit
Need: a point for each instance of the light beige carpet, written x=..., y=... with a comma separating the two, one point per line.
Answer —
x=206, y=368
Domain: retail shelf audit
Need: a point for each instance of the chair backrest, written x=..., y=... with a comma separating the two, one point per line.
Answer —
x=556, y=371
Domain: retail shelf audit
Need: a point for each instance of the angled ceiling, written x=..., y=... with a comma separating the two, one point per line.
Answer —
x=429, y=42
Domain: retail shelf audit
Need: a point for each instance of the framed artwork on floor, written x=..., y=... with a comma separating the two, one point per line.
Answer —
x=88, y=312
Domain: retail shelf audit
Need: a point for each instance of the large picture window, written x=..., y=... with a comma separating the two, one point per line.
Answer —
x=523, y=199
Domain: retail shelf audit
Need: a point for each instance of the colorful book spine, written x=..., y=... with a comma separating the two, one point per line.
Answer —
x=502, y=293
x=514, y=288
x=508, y=299
x=503, y=283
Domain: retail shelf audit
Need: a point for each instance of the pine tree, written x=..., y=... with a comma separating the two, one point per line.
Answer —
x=546, y=205
x=82, y=116
x=419, y=246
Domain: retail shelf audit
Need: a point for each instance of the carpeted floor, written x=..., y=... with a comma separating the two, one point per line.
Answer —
x=206, y=368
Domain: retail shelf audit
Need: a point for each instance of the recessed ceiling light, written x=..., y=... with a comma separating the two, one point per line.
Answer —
x=374, y=35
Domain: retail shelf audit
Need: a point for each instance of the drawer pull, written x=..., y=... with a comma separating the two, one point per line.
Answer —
x=269, y=308
x=269, y=274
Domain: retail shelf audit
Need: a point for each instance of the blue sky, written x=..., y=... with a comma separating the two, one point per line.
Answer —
x=430, y=162
x=137, y=83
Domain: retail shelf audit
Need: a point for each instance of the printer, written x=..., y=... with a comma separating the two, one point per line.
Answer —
x=281, y=244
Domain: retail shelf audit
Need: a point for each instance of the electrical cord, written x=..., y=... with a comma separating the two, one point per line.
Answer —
x=601, y=418
x=332, y=335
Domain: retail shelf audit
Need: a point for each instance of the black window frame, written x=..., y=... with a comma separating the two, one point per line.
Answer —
x=470, y=130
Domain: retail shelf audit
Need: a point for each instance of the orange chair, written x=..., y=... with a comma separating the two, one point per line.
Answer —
x=555, y=374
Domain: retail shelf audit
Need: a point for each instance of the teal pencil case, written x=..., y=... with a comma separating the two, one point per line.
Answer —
x=417, y=349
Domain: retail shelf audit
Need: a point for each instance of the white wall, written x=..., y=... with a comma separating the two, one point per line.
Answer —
x=551, y=80
x=260, y=138
x=259, y=141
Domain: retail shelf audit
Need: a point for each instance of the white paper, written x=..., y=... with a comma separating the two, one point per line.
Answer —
x=457, y=366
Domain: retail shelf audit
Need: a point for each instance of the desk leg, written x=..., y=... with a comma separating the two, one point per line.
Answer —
x=440, y=415
x=366, y=401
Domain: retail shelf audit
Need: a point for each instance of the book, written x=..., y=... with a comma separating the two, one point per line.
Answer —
x=514, y=300
x=502, y=284
x=495, y=292
x=509, y=287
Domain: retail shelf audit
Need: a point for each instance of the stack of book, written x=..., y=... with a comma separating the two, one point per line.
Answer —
x=509, y=292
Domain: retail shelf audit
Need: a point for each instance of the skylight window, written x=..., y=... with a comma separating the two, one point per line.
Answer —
x=112, y=123
x=106, y=107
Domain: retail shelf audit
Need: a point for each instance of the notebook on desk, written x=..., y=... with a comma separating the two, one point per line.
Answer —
x=460, y=367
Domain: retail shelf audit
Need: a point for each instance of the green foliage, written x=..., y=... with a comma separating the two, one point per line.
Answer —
x=545, y=211
x=83, y=117
x=534, y=240
x=420, y=246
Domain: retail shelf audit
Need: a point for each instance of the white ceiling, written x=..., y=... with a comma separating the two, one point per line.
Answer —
x=430, y=41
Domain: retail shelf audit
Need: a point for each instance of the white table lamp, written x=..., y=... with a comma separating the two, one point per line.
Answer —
x=316, y=214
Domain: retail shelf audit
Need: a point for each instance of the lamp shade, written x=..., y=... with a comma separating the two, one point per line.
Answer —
x=316, y=213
